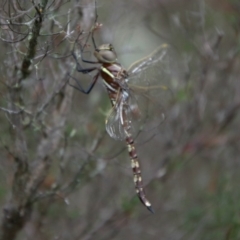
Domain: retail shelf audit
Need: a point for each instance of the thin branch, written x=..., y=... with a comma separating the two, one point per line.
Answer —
x=33, y=40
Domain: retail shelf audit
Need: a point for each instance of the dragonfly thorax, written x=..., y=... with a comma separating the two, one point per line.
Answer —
x=105, y=54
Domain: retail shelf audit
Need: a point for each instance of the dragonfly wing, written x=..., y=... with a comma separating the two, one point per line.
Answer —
x=149, y=80
x=156, y=56
x=114, y=124
x=125, y=109
x=147, y=91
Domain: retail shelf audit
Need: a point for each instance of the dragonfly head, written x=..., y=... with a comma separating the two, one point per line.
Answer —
x=105, y=54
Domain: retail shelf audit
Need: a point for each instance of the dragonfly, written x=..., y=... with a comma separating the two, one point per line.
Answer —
x=117, y=81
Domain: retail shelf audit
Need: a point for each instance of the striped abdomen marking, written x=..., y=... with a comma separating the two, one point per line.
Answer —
x=137, y=178
x=112, y=75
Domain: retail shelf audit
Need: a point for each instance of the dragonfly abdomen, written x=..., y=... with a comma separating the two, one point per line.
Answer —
x=115, y=80
x=137, y=178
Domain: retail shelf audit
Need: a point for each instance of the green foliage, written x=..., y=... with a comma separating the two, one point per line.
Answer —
x=3, y=191
x=217, y=215
x=129, y=206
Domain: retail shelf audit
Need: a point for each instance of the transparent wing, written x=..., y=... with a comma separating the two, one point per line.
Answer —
x=150, y=80
x=148, y=93
x=124, y=108
x=153, y=73
x=113, y=121
x=157, y=56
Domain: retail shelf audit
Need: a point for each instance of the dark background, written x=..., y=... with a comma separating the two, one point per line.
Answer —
x=63, y=177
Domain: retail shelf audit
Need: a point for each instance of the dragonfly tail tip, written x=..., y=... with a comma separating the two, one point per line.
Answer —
x=150, y=209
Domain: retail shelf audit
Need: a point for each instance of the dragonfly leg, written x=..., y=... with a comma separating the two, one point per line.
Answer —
x=85, y=44
x=80, y=68
x=79, y=86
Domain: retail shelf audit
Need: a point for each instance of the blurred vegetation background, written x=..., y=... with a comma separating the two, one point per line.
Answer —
x=62, y=176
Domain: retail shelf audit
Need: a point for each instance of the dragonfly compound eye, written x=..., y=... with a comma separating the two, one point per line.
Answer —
x=106, y=54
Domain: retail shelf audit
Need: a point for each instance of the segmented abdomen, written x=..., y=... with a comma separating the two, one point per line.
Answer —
x=114, y=80
x=137, y=178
